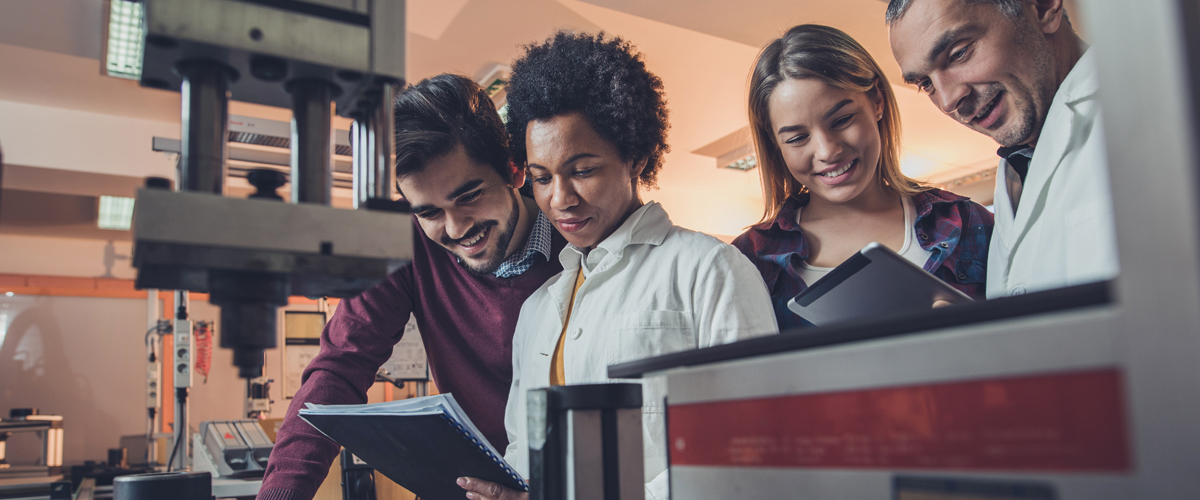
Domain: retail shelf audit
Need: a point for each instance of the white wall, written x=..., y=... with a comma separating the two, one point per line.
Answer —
x=43, y=136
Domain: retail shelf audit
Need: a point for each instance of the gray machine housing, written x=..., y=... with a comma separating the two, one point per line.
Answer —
x=354, y=44
x=231, y=448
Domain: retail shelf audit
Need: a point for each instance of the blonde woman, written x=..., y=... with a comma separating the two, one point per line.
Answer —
x=826, y=130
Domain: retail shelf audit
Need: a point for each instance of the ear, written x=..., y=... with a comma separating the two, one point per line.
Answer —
x=517, y=176
x=637, y=168
x=1048, y=15
x=876, y=97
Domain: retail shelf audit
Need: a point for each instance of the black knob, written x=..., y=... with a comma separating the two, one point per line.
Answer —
x=158, y=183
x=266, y=181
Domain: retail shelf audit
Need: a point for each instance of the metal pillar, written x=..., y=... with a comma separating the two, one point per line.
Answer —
x=373, y=139
x=205, y=126
x=312, y=174
x=385, y=144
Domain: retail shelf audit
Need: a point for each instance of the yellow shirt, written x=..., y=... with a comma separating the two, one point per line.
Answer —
x=557, y=374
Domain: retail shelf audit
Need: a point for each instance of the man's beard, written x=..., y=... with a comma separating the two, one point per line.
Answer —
x=490, y=262
x=1039, y=96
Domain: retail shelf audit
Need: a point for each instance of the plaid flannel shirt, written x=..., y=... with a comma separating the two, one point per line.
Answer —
x=956, y=230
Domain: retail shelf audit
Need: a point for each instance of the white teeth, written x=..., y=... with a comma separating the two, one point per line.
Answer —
x=984, y=112
x=474, y=240
x=840, y=171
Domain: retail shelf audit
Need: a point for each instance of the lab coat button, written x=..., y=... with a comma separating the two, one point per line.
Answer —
x=1019, y=290
x=576, y=333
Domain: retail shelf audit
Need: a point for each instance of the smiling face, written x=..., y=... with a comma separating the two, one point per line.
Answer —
x=990, y=72
x=465, y=207
x=579, y=179
x=829, y=137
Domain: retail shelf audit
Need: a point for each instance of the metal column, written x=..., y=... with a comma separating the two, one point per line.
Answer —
x=312, y=174
x=205, y=126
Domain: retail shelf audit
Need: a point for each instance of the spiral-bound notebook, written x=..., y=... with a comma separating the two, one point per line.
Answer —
x=423, y=444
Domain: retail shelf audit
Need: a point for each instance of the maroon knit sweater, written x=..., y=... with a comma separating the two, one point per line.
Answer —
x=466, y=322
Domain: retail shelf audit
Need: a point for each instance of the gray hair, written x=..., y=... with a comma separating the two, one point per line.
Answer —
x=897, y=8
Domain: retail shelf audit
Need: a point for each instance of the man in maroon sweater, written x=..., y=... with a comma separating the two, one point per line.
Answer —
x=484, y=250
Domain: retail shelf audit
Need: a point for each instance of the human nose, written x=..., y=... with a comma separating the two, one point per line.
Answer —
x=829, y=147
x=562, y=194
x=457, y=225
x=948, y=94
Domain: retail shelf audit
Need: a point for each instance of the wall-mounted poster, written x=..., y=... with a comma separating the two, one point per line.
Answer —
x=301, y=343
x=408, y=361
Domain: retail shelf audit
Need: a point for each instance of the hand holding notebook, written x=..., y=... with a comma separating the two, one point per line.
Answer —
x=423, y=444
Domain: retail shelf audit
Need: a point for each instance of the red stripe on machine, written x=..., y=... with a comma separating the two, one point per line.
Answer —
x=1062, y=422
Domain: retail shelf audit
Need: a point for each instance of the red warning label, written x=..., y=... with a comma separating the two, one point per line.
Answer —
x=1065, y=422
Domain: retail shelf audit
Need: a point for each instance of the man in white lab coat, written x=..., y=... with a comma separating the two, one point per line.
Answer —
x=1015, y=70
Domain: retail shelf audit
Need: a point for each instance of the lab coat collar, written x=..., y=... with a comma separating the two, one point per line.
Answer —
x=1081, y=83
x=647, y=225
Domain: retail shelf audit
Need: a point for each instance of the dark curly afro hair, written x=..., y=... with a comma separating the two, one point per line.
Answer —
x=606, y=80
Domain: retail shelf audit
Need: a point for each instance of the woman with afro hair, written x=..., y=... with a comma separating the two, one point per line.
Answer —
x=588, y=122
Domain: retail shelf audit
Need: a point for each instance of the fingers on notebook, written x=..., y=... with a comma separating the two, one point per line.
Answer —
x=478, y=489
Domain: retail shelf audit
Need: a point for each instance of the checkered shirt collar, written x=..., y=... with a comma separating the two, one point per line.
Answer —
x=537, y=244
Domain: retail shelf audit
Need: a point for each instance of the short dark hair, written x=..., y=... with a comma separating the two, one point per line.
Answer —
x=897, y=8
x=436, y=115
x=606, y=80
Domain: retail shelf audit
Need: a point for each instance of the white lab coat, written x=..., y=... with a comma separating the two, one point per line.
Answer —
x=651, y=288
x=1062, y=231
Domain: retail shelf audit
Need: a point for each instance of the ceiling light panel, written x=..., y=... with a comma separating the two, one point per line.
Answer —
x=116, y=212
x=123, y=56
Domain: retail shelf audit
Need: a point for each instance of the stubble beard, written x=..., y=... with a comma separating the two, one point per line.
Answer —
x=1036, y=99
x=498, y=254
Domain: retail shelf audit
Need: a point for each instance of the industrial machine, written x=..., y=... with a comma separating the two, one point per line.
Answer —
x=231, y=448
x=250, y=255
x=585, y=442
x=48, y=429
x=1086, y=392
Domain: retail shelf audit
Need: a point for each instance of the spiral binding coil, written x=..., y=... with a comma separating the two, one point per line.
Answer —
x=483, y=447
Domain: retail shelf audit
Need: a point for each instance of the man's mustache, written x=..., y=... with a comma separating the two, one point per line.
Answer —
x=479, y=227
x=970, y=106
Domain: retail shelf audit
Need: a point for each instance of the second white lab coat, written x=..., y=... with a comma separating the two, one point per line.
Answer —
x=1062, y=231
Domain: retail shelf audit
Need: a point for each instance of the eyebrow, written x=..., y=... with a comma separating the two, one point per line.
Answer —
x=569, y=161
x=464, y=188
x=943, y=44
x=836, y=107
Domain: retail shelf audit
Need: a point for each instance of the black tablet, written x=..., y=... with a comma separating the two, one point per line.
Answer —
x=874, y=282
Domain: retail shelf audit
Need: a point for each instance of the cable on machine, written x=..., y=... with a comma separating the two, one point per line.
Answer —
x=203, y=336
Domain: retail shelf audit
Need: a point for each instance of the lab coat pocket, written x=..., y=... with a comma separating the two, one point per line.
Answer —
x=647, y=334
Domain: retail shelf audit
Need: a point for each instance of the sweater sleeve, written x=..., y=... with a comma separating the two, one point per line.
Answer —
x=355, y=343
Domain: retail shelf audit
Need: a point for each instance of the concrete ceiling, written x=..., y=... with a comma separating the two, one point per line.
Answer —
x=702, y=50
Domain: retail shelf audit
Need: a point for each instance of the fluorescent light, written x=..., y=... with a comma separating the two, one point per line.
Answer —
x=744, y=163
x=125, y=36
x=116, y=212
